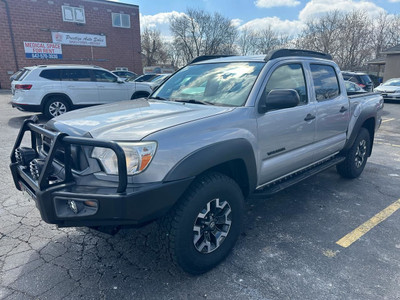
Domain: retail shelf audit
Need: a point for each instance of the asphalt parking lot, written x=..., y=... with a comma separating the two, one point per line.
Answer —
x=288, y=249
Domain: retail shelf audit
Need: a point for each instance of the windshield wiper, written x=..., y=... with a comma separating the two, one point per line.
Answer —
x=157, y=98
x=193, y=101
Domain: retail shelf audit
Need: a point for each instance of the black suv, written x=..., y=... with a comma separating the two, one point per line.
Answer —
x=362, y=79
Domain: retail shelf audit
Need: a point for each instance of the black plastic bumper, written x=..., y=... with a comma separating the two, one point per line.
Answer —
x=27, y=107
x=95, y=204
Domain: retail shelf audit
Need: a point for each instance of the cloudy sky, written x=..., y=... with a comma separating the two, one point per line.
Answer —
x=286, y=16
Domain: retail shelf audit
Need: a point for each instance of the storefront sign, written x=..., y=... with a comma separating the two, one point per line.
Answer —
x=79, y=39
x=40, y=50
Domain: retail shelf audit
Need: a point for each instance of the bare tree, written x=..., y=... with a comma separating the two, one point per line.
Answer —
x=200, y=33
x=153, y=48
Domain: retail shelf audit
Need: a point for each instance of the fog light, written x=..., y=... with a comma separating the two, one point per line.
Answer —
x=36, y=167
x=24, y=155
x=73, y=206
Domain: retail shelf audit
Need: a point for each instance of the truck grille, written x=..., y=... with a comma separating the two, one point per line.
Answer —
x=78, y=158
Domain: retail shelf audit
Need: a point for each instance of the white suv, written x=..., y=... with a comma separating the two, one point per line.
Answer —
x=56, y=89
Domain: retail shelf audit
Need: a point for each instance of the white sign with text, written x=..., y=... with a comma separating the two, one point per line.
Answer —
x=79, y=39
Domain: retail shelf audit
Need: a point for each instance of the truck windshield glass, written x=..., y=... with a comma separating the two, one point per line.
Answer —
x=225, y=84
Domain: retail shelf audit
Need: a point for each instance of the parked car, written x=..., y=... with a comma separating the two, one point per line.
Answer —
x=390, y=90
x=125, y=74
x=353, y=89
x=377, y=80
x=157, y=81
x=56, y=89
x=260, y=124
x=145, y=77
x=362, y=79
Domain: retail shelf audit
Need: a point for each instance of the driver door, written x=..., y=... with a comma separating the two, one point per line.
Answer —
x=286, y=135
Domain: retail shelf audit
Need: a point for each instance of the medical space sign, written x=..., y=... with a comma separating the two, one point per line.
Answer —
x=79, y=39
x=39, y=50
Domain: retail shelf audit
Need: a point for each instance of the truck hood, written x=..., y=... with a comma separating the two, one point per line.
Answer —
x=132, y=119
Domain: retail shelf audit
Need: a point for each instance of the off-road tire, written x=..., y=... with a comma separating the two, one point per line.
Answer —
x=356, y=156
x=177, y=227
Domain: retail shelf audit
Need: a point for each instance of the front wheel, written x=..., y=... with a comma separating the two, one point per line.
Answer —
x=203, y=227
x=356, y=157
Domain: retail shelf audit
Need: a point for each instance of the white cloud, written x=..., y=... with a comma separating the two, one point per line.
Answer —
x=394, y=1
x=236, y=22
x=316, y=8
x=285, y=27
x=275, y=3
x=160, y=18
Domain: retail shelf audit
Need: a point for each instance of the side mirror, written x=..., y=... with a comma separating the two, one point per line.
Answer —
x=120, y=80
x=279, y=99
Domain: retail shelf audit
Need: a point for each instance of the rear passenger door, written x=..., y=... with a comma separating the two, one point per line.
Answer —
x=332, y=110
x=286, y=136
x=108, y=87
x=78, y=84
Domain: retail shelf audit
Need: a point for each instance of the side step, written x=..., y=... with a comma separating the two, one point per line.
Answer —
x=296, y=178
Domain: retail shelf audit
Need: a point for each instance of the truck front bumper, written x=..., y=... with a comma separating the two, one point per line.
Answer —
x=62, y=201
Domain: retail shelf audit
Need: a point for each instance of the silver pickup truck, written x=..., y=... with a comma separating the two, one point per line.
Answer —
x=215, y=132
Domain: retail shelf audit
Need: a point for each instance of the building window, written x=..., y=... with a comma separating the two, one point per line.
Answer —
x=121, y=20
x=73, y=14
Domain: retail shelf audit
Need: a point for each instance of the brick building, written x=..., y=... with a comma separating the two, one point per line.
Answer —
x=94, y=32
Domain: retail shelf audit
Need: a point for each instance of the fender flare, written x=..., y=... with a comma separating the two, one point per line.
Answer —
x=364, y=116
x=216, y=154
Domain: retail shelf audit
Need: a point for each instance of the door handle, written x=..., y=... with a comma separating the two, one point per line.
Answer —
x=309, y=117
x=100, y=86
x=70, y=86
x=342, y=109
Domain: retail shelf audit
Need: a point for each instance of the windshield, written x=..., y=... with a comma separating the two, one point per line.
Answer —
x=392, y=82
x=225, y=84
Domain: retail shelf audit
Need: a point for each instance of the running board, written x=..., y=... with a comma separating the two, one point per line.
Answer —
x=296, y=178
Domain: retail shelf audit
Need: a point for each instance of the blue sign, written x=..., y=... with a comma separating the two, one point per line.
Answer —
x=43, y=56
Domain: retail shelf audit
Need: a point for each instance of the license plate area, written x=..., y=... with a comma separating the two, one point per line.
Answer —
x=24, y=188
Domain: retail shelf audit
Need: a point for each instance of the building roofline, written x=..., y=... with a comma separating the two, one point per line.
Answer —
x=108, y=2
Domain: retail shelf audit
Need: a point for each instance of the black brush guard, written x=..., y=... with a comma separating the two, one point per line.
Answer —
x=62, y=140
x=134, y=204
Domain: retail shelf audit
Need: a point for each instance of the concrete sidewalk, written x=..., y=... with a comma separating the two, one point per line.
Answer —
x=4, y=91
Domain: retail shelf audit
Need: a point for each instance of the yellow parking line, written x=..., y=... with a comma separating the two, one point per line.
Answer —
x=388, y=144
x=353, y=236
x=388, y=120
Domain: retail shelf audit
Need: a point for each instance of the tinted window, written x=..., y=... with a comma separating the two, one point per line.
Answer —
x=51, y=74
x=75, y=75
x=22, y=75
x=104, y=76
x=289, y=77
x=365, y=79
x=326, y=84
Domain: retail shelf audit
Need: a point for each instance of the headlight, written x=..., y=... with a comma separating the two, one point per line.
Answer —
x=138, y=156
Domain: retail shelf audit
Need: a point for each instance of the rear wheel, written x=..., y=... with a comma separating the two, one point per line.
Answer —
x=356, y=157
x=56, y=106
x=203, y=227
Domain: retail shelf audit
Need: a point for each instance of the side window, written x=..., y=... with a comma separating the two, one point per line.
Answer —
x=75, y=75
x=289, y=76
x=104, y=76
x=326, y=84
x=51, y=74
